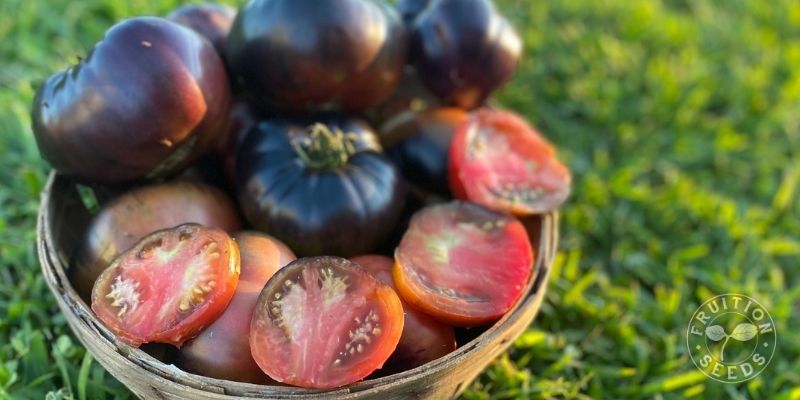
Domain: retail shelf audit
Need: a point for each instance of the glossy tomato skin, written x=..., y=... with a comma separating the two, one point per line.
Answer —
x=500, y=161
x=169, y=286
x=424, y=339
x=148, y=100
x=242, y=120
x=211, y=20
x=419, y=146
x=464, y=50
x=323, y=322
x=344, y=210
x=222, y=350
x=317, y=55
x=463, y=264
x=133, y=215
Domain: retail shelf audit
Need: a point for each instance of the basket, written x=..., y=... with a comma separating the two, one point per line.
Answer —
x=61, y=223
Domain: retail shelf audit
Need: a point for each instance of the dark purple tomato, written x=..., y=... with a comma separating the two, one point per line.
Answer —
x=212, y=21
x=424, y=339
x=317, y=55
x=148, y=100
x=419, y=143
x=242, y=119
x=222, y=350
x=464, y=50
x=411, y=96
x=322, y=186
x=409, y=9
x=134, y=214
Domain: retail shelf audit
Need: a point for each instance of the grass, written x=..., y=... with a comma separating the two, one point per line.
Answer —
x=680, y=120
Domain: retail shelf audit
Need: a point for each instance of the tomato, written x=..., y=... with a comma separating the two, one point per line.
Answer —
x=322, y=186
x=499, y=161
x=463, y=264
x=424, y=339
x=310, y=55
x=150, y=99
x=419, y=146
x=134, y=214
x=464, y=50
x=212, y=21
x=411, y=96
x=169, y=286
x=242, y=120
x=323, y=322
x=222, y=350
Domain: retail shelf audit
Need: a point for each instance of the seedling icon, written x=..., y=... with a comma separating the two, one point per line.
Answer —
x=743, y=332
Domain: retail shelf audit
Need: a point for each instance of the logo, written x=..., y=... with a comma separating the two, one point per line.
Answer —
x=731, y=338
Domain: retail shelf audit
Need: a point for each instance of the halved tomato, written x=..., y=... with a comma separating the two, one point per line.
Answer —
x=463, y=264
x=169, y=286
x=222, y=350
x=499, y=161
x=323, y=322
x=424, y=338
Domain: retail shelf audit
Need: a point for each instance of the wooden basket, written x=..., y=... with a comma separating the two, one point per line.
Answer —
x=62, y=221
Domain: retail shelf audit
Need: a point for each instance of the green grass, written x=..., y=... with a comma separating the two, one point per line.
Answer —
x=680, y=120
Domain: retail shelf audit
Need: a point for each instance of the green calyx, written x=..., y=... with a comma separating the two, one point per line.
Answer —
x=323, y=148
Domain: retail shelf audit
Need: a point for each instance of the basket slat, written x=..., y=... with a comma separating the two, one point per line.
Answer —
x=61, y=223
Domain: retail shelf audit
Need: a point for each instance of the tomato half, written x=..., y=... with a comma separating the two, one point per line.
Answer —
x=169, y=286
x=499, y=161
x=323, y=322
x=463, y=264
x=424, y=338
x=222, y=350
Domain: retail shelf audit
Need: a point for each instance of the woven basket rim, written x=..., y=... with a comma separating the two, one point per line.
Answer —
x=54, y=270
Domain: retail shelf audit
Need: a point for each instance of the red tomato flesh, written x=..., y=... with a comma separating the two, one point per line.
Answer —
x=222, y=350
x=499, y=161
x=169, y=286
x=424, y=339
x=323, y=322
x=463, y=264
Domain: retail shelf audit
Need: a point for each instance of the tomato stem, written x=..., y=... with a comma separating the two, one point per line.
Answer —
x=323, y=148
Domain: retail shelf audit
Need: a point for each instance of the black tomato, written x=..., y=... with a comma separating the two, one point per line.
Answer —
x=419, y=144
x=321, y=186
x=212, y=21
x=464, y=50
x=317, y=55
x=148, y=100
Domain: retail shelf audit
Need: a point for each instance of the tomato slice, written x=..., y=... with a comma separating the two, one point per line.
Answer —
x=424, y=339
x=499, y=161
x=323, y=322
x=463, y=264
x=169, y=286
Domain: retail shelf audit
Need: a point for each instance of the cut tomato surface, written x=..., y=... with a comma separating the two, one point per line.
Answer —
x=462, y=263
x=424, y=338
x=499, y=161
x=169, y=286
x=323, y=322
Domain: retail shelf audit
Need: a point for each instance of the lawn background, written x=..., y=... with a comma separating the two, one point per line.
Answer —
x=679, y=118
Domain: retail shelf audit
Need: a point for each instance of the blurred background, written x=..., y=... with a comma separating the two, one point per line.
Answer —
x=680, y=120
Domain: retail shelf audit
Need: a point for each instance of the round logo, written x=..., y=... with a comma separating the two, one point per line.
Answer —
x=731, y=338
